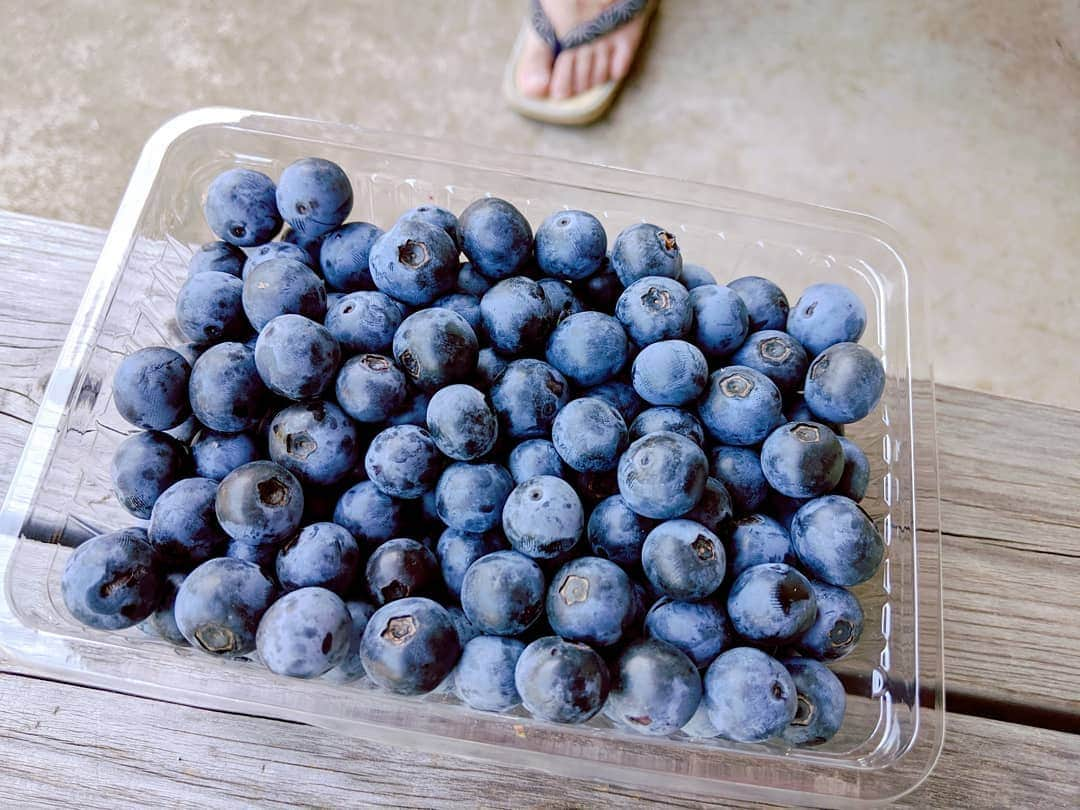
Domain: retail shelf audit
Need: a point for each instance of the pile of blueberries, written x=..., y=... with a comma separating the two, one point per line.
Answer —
x=578, y=480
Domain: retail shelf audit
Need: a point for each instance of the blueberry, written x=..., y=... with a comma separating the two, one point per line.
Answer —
x=370, y=388
x=662, y=475
x=694, y=275
x=240, y=207
x=593, y=487
x=218, y=257
x=655, y=688
x=489, y=365
x=144, y=466
x=111, y=581
x=571, y=245
x=684, y=560
x=620, y=394
x=413, y=412
x=162, y=622
x=796, y=410
x=771, y=603
x=561, y=681
x=844, y=383
x=721, y=322
x=516, y=314
x=403, y=461
x=186, y=430
x=343, y=256
x=856, y=476
x=264, y=556
x=484, y=678
x=275, y=250
x=283, y=287
x=351, y=666
x=653, y=309
x=437, y=216
x=835, y=541
x=466, y=630
x=700, y=727
x=296, y=357
x=783, y=507
x=216, y=454
x=457, y=550
x=739, y=470
x=749, y=695
x=372, y=516
x=543, y=517
x=471, y=282
x=322, y=555
x=190, y=351
x=671, y=372
x=467, y=306
x=822, y=703
x=495, y=236
x=777, y=355
x=304, y=634
x=401, y=568
x=315, y=441
x=535, y=457
x=436, y=347
x=836, y=628
x=645, y=250
x=758, y=539
x=414, y=262
x=714, y=510
x=765, y=303
x=364, y=322
x=561, y=299
x=589, y=348
x=824, y=315
x=617, y=533
x=590, y=600
x=310, y=245
x=502, y=593
x=526, y=397
x=600, y=291
x=259, y=503
x=701, y=630
x=667, y=418
x=410, y=645
x=219, y=605
x=462, y=423
x=740, y=406
x=589, y=435
x=150, y=388
x=184, y=530
x=314, y=196
x=802, y=459
x=209, y=307
x=227, y=394
x=470, y=497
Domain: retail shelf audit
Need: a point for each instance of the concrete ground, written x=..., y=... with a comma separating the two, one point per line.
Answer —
x=957, y=121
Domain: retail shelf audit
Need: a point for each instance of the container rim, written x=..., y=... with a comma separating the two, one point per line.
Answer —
x=16, y=638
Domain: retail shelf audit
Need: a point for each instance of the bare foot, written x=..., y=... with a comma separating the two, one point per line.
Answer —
x=577, y=69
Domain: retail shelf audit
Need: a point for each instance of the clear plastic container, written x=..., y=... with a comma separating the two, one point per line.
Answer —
x=61, y=492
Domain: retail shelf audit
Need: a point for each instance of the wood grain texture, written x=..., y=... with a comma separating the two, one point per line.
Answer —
x=1010, y=512
x=71, y=746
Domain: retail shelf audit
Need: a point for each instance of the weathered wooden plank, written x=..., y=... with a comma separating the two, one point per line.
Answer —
x=1009, y=487
x=70, y=746
x=1010, y=513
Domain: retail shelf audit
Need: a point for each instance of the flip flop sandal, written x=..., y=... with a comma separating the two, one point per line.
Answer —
x=594, y=102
